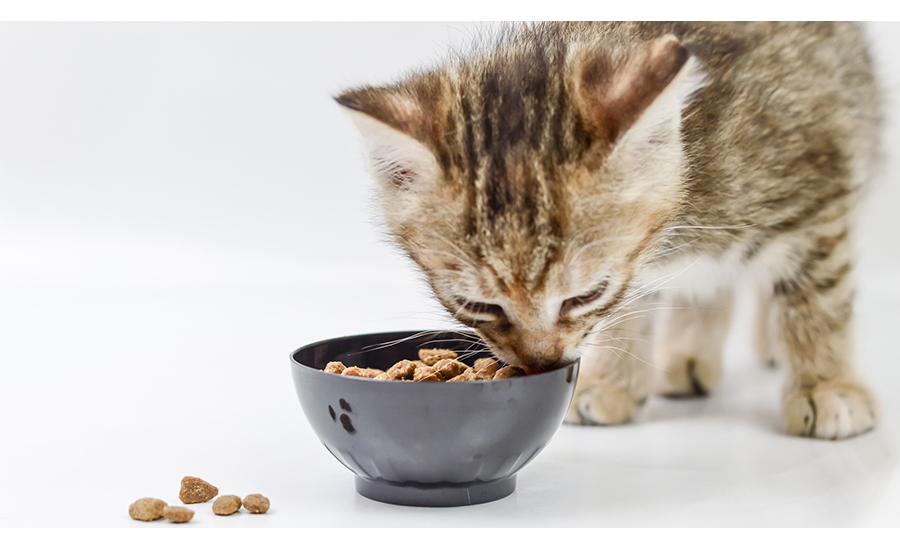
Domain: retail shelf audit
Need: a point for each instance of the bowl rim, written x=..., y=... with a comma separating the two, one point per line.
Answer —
x=295, y=363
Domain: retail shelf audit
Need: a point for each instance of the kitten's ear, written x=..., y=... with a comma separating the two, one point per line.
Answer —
x=641, y=97
x=394, y=131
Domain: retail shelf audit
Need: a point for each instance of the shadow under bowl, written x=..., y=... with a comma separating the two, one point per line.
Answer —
x=427, y=443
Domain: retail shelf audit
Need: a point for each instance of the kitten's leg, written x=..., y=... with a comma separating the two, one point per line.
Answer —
x=814, y=303
x=761, y=336
x=615, y=375
x=688, y=351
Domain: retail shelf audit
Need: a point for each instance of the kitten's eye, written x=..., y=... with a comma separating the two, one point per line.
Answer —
x=480, y=310
x=584, y=299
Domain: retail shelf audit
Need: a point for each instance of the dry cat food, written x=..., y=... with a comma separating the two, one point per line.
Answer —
x=194, y=490
x=434, y=365
x=432, y=356
x=146, y=509
x=226, y=505
x=178, y=514
x=256, y=503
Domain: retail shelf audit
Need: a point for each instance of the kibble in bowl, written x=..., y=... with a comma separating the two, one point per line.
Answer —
x=417, y=442
x=433, y=365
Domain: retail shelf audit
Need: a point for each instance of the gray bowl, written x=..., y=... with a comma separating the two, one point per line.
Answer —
x=427, y=443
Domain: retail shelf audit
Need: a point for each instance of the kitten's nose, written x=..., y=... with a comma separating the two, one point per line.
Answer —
x=538, y=351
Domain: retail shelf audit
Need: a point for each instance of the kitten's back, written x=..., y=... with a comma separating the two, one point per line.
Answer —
x=786, y=128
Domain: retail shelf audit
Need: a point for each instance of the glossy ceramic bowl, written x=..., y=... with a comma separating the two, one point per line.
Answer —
x=427, y=443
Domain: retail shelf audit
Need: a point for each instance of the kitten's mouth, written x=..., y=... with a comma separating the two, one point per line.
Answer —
x=534, y=367
x=544, y=368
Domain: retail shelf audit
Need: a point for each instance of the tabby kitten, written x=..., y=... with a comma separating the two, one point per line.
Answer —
x=560, y=184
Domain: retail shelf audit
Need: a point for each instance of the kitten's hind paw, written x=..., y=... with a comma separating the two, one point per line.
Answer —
x=830, y=410
x=603, y=404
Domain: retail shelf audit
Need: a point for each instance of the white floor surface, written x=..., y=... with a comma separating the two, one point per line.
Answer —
x=117, y=394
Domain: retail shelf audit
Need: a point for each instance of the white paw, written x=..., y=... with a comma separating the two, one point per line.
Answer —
x=603, y=404
x=689, y=377
x=830, y=410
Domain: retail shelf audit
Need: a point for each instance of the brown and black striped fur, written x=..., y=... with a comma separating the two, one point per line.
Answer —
x=546, y=180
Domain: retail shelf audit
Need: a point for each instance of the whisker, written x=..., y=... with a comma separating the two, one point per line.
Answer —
x=467, y=338
x=742, y=226
x=630, y=315
x=621, y=338
x=615, y=350
x=672, y=250
x=390, y=343
x=649, y=288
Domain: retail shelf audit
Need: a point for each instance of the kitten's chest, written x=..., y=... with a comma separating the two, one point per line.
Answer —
x=694, y=276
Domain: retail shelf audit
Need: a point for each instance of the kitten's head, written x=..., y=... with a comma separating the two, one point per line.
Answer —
x=531, y=183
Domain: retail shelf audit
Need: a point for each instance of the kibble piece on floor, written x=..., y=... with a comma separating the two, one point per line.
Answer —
x=146, y=509
x=194, y=490
x=256, y=503
x=178, y=514
x=226, y=505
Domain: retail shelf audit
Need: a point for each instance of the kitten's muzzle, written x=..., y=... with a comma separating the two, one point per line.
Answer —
x=546, y=360
x=534, y=351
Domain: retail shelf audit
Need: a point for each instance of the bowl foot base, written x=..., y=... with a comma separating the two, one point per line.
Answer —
x=435, y=494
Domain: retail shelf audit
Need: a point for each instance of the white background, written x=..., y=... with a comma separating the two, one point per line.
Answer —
x=182, y=205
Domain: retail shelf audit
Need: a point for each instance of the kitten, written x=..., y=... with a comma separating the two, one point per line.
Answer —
x=561, y=182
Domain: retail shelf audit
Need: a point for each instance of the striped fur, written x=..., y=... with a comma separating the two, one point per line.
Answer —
x=550, y=178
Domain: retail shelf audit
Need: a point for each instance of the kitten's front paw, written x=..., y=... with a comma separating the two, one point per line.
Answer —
x=830, y=410
x=603, y=404
x=689, y=377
